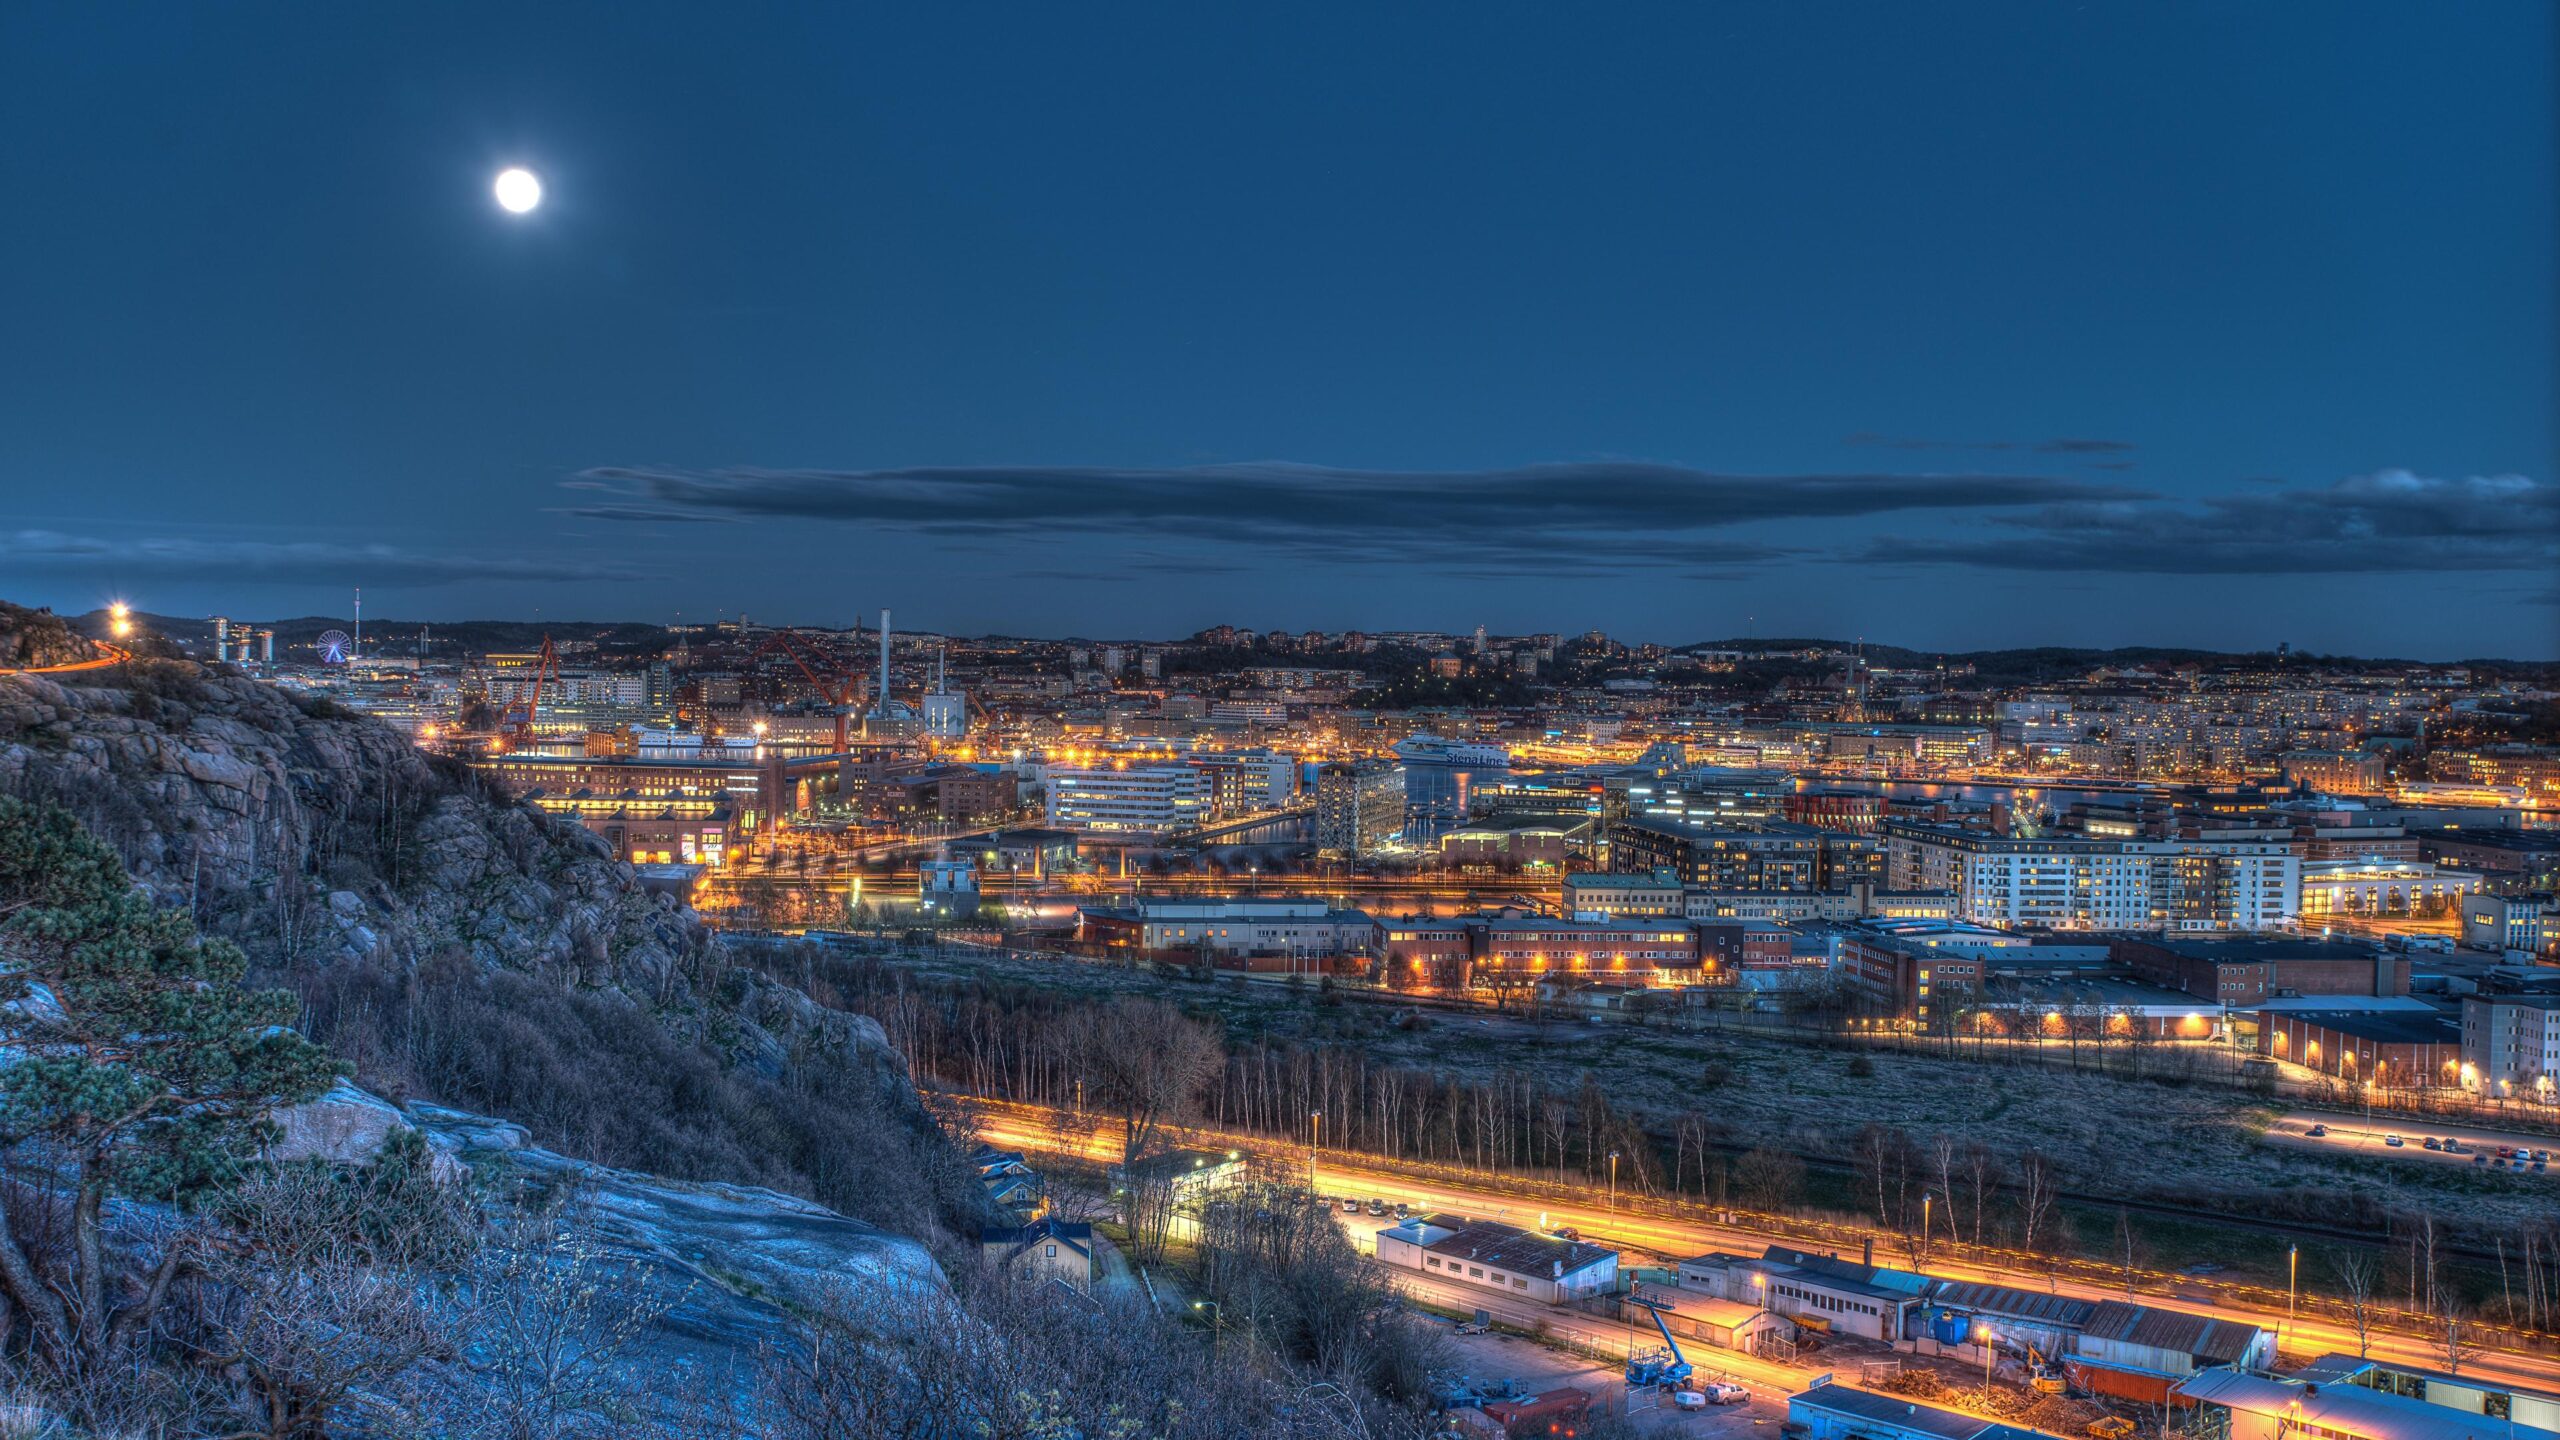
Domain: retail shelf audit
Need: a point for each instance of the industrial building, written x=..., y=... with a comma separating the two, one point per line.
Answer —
x=1499, y=1257
x=1832, y=1411
x=2237, y=1405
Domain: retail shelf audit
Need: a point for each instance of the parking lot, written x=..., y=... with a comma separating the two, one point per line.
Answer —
x=1531, y=1368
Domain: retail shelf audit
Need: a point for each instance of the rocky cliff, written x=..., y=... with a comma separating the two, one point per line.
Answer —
x=306, y=830
x=461, y=947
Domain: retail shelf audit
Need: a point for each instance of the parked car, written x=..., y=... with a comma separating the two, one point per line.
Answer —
x=2506, y=1151
x=1351, y=1205
x=2317, y=1131
x=2431, y=1143
x=1403, y=1210
x=1724, y=1392
x=2479, y=1159
x=2393, y=1141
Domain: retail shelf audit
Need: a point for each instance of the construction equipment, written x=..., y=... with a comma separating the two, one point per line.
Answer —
x=843, y=694
x=1666, y=1366
x=516, y=723
x=2043, y=1375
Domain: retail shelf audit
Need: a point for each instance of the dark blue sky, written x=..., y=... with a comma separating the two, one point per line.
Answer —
x=1947, y=325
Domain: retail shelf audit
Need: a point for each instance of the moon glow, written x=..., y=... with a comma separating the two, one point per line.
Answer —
x=517, y=190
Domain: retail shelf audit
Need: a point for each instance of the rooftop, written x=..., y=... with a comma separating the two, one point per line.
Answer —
x=1491, y=1242
x=2349, y=1408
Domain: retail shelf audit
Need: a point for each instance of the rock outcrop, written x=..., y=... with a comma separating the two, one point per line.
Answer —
x=323, y=832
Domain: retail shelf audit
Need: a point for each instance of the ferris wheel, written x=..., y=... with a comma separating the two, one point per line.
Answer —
x=334, y=647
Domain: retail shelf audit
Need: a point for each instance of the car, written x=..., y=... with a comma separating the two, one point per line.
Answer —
x=2317, y=1131
x=2479, y=1159
x=1567, y=1233
x=1689, y=1399
x=1403, y=1210
x=2537, y=1166
x=2393, y=1141
x=1351, y=1205
x=2506, y=1152
x=1377, y=1207
x=1724, y=1392
x=2541, y=1154
x=2431, y=1143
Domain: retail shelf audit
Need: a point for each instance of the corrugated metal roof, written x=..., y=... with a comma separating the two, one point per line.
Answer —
x=2067, y=1311
x=2211, y=1341
x=2351, y=1408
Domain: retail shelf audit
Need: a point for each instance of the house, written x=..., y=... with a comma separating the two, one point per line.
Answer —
x=1046, y=1250
x=1844, y=1412
x=1499, y=1257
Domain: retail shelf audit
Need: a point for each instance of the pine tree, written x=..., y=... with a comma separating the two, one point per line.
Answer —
x=132, y=1062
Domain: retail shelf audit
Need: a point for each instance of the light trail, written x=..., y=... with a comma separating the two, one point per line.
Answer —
x=1671, y=1238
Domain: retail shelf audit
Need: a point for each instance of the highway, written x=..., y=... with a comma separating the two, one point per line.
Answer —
x=1662, y=1237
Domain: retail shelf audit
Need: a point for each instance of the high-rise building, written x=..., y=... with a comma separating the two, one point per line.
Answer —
x=1359, y=807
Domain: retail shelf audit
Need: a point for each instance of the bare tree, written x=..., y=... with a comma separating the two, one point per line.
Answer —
x=1146, y=1062
x=2359, y=1273
x=1768, y=1180
x=2038, y=1188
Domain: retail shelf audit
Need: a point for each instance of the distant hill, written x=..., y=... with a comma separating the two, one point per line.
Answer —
x=2059, y=662
x=33, y=639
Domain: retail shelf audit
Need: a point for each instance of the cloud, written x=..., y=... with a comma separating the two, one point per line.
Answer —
x=2068, y=445
x=309, y=562
x=642, y=513
x=1575, y=519
x=2388, y=522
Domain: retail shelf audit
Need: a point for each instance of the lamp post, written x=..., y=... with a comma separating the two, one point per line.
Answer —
x=1315, y=1142
x=1613, y=1179
x=1982, y=1337
x=1217, y=1324
x=2292, y=1280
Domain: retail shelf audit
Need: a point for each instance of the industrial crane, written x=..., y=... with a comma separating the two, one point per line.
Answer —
x=839, y=694
x=517, y=722
x=1666, y=1366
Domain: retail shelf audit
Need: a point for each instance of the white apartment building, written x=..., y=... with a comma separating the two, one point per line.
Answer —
x=2076, y=883
x=2511, y=1045
x=1141, y=799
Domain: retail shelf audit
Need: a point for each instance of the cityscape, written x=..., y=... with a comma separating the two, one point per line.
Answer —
x=586, y=850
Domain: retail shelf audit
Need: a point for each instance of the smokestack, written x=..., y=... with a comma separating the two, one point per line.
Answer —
x=884, y=662
x=355, y=647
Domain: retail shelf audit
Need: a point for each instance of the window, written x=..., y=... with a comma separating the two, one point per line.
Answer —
x=1053, y=1252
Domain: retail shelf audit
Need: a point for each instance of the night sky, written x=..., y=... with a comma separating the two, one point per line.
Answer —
x=1945, y=325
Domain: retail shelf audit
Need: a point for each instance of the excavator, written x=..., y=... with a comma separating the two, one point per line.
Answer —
x=1667, y=1366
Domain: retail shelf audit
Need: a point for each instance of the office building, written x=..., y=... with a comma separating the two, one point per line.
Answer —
x=1138, y=800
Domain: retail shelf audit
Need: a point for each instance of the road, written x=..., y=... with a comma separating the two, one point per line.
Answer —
x=2356, y=1134
x=1670, y=1238
x=116, y=655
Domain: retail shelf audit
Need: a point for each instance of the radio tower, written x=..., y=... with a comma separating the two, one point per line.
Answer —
x=356, y=647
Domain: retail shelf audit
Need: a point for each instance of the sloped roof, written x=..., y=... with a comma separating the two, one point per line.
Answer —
x=2212, y=1341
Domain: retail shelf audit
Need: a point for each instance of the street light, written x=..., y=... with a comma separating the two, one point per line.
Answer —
x=1982, y=1337
x=1217, y=1324
x=1315, y=1142
x=1613, y=1179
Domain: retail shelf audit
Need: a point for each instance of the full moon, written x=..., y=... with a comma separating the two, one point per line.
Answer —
x=518, y=191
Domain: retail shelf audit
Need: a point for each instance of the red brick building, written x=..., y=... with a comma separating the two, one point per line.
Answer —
x=1906, y=981
x=2399, y=1049
x=2240, y=973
